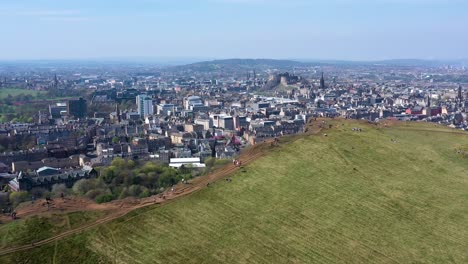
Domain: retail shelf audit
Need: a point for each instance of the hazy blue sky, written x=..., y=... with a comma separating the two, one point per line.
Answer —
x=300, y=29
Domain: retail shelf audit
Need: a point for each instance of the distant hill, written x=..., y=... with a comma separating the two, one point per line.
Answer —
x=248, y=64
x=410, y=62
x=380, y=194
x=236, y=65
x=391, y=62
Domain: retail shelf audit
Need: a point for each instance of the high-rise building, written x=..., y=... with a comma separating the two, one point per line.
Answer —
x=145, y=105
x=77, y=108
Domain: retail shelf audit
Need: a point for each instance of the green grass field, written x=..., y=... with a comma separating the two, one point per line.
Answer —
x=37, y=228
x=4, y=92
x=386, y=195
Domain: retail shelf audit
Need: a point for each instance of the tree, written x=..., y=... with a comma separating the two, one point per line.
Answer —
x=124, y=193
x=110, y=173
x=58, y=189
x=18, y=197
x=168, y=177
x=145, y=193
x=185, y=169
x=104, y=198
x=138, y=191
x=94, y=193
x=131, y=164
x=150, y=167
x=118, y=162
x=134, y=190
x=83, y=186
x=39, y=192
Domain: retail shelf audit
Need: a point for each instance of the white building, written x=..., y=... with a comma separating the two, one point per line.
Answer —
x=166, y=109
x=192, y=101
x=145, y=105
x=190, y=162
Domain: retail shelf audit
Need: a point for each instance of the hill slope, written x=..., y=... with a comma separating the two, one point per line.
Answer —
x=395, y=194
x=238, y=64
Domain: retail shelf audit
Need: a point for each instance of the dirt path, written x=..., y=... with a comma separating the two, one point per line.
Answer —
x=59, y=206
x=123, y=207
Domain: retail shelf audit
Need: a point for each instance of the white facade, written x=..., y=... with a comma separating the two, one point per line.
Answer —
x=166, y=109
x=193, y=162
x=145, y=105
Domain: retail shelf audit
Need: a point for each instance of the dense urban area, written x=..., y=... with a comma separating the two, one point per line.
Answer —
x=110, y=131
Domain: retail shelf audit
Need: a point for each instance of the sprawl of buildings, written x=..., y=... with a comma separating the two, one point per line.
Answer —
x=184, y=117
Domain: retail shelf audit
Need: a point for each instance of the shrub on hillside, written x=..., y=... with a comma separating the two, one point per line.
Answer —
x=39, y=192
x=18, y=197
x=124, y=193
x=58, y=189
x=83, y=186
x=109, y=173
x=104, y=198
x=145, y=193
x=136, y=190
x=93, y=194
x=119, y=163
x=126, y=178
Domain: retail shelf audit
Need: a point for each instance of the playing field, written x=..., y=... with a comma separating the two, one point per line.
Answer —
x=4, y=92
x=396, y=194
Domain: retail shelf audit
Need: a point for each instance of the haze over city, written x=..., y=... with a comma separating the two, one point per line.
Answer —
x=209, y=29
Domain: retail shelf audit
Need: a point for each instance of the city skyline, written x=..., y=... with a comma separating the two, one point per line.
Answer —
x=218, y=29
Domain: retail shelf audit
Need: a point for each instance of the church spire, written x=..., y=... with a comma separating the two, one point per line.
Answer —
x=55, y=81
x=117, y=112
x=322, y=82
x=460, y=95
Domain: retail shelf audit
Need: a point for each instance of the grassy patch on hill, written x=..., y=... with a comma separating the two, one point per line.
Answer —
x=4, y=92
x=396, y=194
x=40, y=227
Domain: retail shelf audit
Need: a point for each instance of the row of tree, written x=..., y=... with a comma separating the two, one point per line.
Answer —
x=123, y=178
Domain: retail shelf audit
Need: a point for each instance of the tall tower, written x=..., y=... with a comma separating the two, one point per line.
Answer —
x=460, y=96
x=117, y=112
x=322, y=82
x=55, y=81
x=145, y=105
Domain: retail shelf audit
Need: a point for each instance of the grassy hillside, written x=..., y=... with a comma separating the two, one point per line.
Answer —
x=36, y=228
x=4, y=92
x=395, y=194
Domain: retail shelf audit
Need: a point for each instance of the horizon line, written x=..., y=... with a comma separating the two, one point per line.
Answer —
x=166, y=59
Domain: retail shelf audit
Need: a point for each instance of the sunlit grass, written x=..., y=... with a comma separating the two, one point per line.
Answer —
x=384, y=195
